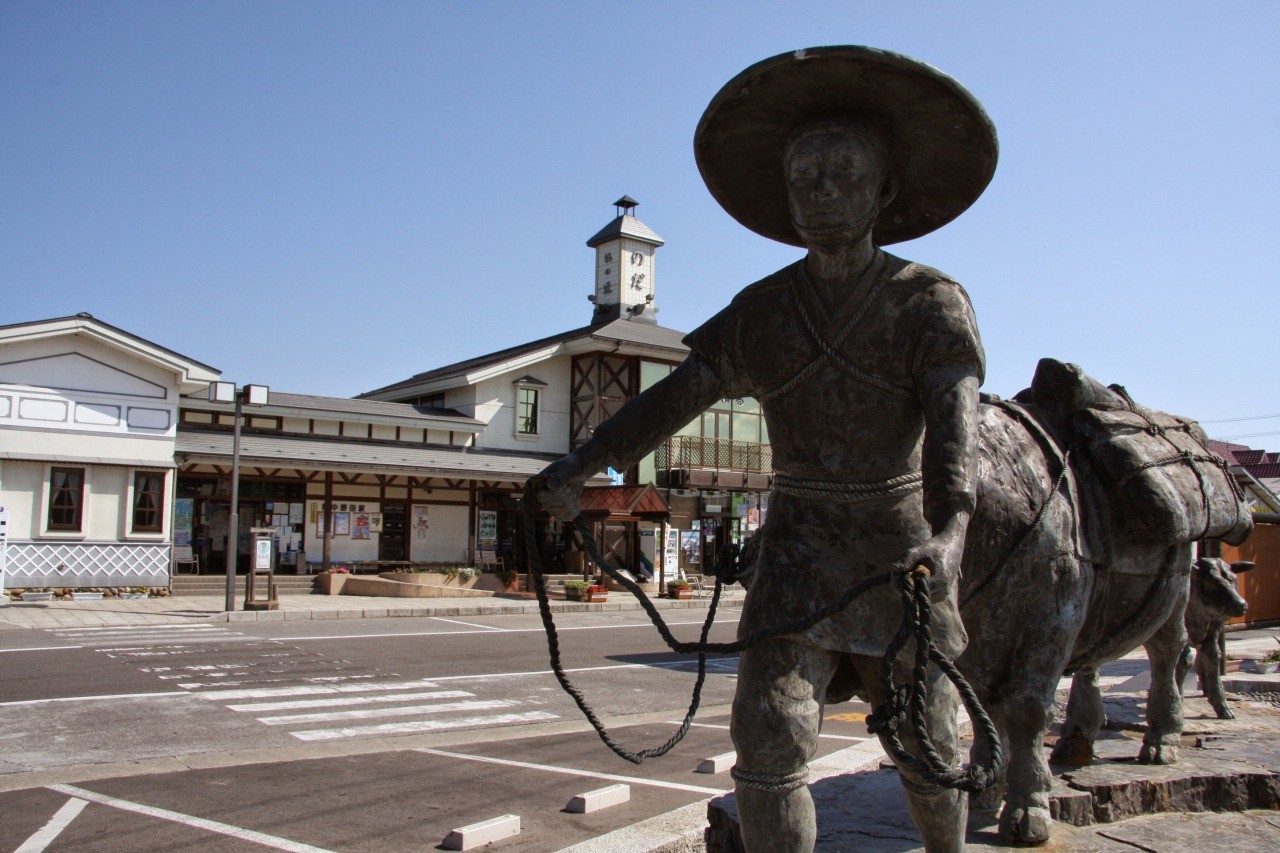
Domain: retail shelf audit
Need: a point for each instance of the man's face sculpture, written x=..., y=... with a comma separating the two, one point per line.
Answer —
x=835, y=176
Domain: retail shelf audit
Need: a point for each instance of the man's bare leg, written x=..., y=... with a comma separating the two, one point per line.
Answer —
x=777, y=713
x=941, y=814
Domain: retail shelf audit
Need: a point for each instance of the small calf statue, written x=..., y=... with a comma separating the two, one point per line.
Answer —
x=1215, y=598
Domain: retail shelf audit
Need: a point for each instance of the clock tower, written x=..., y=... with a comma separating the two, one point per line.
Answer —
x=624, y=267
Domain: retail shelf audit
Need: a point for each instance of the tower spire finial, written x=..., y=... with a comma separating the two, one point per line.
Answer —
x=625, y=205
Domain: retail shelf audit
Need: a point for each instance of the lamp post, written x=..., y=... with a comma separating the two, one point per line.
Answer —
x=254, y=395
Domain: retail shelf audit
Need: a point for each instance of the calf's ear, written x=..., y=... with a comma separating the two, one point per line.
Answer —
x=1241, y=566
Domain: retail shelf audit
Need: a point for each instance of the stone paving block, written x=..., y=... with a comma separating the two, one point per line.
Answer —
x=601, y=798
x=717, y=763
x=485, y=832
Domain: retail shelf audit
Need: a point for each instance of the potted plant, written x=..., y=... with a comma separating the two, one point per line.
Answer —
x=134, y=592
x=576, y=590
x=37, y=593
x=509, y=579
x=597, y=593
x=679, y=589
x=84, y=593
x=330, y=582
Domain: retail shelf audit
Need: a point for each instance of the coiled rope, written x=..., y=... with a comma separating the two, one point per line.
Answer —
x=904, y=703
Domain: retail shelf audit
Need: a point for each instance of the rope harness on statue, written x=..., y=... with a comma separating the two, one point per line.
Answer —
x=905, y=703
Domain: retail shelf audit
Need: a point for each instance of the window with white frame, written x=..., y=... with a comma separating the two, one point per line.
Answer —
x=148, y=502
x=66, y=499
x=527, y=410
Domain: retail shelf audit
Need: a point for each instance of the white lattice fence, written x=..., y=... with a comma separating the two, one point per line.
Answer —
x=70, y=564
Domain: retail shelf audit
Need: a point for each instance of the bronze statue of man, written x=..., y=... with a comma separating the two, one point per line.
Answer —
x=867, y=368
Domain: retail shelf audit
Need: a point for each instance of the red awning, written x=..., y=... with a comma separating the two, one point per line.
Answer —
x=623, y=502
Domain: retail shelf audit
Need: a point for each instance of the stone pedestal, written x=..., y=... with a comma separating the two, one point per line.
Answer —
x=1226, y=784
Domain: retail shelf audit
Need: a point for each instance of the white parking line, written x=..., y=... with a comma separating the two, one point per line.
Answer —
x=487, y=630
x=93, y=698
x=190, y=820
x=41, y=649
x=488, y=675
x=568, y=771
x=820, y=734
x=468, y=624
x=61, y=819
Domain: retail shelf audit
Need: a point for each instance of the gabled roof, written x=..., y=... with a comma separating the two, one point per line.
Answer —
x=190, y=373
x=630, y=334
x=347, y=409
x=623, y=502
x=625, y=226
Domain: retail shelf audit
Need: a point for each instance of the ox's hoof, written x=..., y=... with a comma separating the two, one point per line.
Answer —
x=1025, y=826
x=1158, y=753
x=1224, y=713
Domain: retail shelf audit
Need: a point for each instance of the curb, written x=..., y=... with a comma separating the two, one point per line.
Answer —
x=442, y=610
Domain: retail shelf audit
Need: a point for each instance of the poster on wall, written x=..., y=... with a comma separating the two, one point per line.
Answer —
x=183, y=513
x=488, y=526
x=342, y=524
x=375, y=522
x=420, y=525
x=295, y=513
x=360, y=526
x=691, y=544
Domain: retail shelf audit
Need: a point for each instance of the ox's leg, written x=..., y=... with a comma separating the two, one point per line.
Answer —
x=1085, y=718
x=941, y=814
x=1025, y=818
x=1209, y=665
x=777, y=712
x=1184, y=666
x=1164, y=698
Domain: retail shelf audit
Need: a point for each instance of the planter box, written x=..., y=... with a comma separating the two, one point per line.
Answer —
x=86, y=596
x=598, y=597
x=37, y=596
x=680, y=593
x=331, y=584
x=133, y=595
x=575, y=595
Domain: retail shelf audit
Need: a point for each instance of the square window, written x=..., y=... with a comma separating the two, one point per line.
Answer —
x=66, y=498
x=148, y=502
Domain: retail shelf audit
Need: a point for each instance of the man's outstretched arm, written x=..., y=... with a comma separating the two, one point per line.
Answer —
x=639, y=427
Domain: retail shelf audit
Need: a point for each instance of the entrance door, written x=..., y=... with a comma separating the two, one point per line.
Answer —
x=392, y=544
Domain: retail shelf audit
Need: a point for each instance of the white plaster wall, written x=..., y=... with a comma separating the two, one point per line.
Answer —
x=21, y=485
x=74, y=398
x=446, y=538
x=497, y=409
x=343, y=547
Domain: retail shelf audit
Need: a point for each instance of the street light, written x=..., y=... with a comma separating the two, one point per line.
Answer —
x=254, y=395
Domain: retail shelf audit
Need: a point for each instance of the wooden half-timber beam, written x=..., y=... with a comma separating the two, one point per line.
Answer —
x=328, y=518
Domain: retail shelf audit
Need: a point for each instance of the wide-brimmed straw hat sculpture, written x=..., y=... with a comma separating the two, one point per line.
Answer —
x=943, y=144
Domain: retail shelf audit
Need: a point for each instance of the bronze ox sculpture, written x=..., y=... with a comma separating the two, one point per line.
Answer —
x=1058, y=578
x=1215, y=598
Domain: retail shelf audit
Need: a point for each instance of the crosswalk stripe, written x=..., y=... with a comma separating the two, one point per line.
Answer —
x=419, y=726
x=310, y=690
x=374, y=713
x=259, y=707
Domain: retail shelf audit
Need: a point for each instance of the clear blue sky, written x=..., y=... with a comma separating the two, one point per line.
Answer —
x=327, y=197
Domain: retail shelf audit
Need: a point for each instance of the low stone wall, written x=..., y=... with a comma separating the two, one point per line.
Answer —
x=386, y=588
